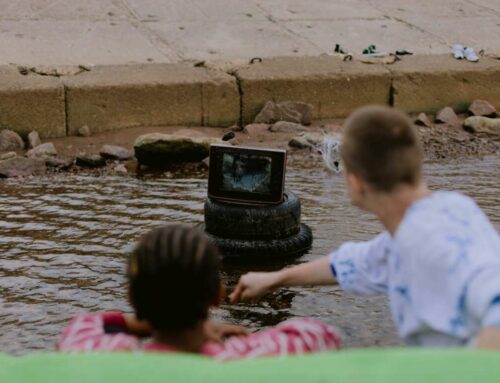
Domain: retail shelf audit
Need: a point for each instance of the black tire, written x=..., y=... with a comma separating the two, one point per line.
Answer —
x=253, y=222
x=238, y=249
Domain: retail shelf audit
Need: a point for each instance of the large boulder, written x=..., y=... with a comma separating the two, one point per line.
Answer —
x=485, y=125
x=161, y=150
x=10, y=140
x=482, y=108
x=44, y=150
x=22, y=167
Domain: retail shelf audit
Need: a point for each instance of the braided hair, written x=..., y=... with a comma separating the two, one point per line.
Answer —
x=174, y=277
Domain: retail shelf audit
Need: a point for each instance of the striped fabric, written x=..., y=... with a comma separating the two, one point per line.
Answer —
x=86, y=332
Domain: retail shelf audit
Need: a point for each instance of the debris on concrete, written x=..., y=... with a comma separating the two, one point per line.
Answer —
x=161, y=150
x=84, y=131
x=34, y=139
x=447, y=116
x=10, y=140
x=6, y=156
x=482, y=108
x=228, y=136
x=22, y=167
x=291, y=111
x=287, y=127
x=423, y=120
x=485, y=125
x=113, y=152
x=90, y=161
x=56, y=71
x=44, y=150
x=254, y=130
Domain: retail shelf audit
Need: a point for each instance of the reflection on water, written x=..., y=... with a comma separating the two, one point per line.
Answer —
x=63, y=242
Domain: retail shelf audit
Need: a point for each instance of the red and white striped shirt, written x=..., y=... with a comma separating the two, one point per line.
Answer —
x=87, y=332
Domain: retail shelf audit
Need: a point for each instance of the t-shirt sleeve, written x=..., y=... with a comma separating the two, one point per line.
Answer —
x=87, y=332
x=362, y=267
x=483, y=297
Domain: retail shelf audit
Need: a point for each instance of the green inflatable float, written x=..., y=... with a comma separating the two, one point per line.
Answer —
x=373, y=366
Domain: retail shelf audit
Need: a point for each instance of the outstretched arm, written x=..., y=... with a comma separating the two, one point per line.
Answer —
x=252, y=286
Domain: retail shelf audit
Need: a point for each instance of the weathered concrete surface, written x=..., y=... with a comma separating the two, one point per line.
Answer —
x=332, y=86
x=31, y=102
x=114, y=97
x=428, y=83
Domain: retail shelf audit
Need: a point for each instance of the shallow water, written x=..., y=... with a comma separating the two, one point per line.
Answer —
x=64, y=239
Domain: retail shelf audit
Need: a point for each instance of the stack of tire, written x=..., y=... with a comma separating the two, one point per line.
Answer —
x=258, y=231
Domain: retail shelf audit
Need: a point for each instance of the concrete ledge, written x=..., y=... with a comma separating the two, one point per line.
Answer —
x=31, y=102
x=332, y=86
x=114, y=97
x=429, y=83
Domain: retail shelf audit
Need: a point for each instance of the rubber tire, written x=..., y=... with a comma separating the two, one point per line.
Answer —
x=253, y=222
x=238, y=249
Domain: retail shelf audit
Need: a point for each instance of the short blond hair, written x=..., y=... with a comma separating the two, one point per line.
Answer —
x=381, y=146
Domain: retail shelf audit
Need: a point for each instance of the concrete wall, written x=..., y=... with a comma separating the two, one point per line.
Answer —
x=116, y=97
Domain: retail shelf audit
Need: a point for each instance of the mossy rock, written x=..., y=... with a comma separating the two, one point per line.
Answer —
x=160, y=150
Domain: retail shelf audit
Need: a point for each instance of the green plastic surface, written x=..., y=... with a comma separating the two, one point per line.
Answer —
x=374, y=366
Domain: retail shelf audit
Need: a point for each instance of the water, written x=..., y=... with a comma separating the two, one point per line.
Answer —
x=64, y=239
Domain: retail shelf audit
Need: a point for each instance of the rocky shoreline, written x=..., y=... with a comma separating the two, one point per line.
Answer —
x=285, y=125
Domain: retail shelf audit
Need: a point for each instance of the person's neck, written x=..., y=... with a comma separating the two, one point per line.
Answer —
x=188, y=340
x=391, y=208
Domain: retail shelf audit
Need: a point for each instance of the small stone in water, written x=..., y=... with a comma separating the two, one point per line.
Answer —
x=228, y=136
x=90, y=160
x=482, y=108
x=44, y=150
x=114, y=152
x=447, y=116
x=423, y=120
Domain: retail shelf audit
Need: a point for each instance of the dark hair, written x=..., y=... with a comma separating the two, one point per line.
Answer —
x=174, y=277
x=381, y=146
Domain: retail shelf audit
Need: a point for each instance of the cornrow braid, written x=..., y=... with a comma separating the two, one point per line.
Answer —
x=174, y=277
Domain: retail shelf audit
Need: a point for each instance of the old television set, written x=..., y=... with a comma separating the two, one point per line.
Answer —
x=246, y=175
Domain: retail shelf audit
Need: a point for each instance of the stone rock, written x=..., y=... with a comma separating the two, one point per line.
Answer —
x=228, y=136
x=90, y=160
x=254, y=130
x=6, y=156
x=482, y=108
x=10, y=140
x=59, y=163
x=300, y=143
x=485, y=125
x=22, y=167
x=291, y=111
x=423, y=120
x=287, y=127
x=44, y=150
x=120, y=169
x=447, y=116
x=34, y=140
x=162, y=150
x=113, y=152
x=84, y=131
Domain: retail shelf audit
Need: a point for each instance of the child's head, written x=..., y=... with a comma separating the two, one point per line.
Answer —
x=174, y=277
x=381, y=148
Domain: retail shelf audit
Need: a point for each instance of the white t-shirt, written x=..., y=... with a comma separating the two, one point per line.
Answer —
x=441, y=271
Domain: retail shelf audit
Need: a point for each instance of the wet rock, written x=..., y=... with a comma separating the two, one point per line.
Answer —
x=84, y=131
x=228, y=136
x=10, y=140
x=254, y=130
x=482, y=108
x=291, y=111
x=287, y=127
x=447, y=116
x=6, y=156
x=22, y=167
x=59, y=163
x=300, y=143
x=120, y=169
x=113, y=152
x=44, y=150
x=90, y=160
x=162, y=150
x=309, y=140
x=423, y=120
x=34, y=140
x=485, y=125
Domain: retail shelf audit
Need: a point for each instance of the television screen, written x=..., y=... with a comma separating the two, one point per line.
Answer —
x=246, y=173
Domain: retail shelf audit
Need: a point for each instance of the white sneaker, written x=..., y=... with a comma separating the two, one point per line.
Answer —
x=470, y=55
x=458, y=51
